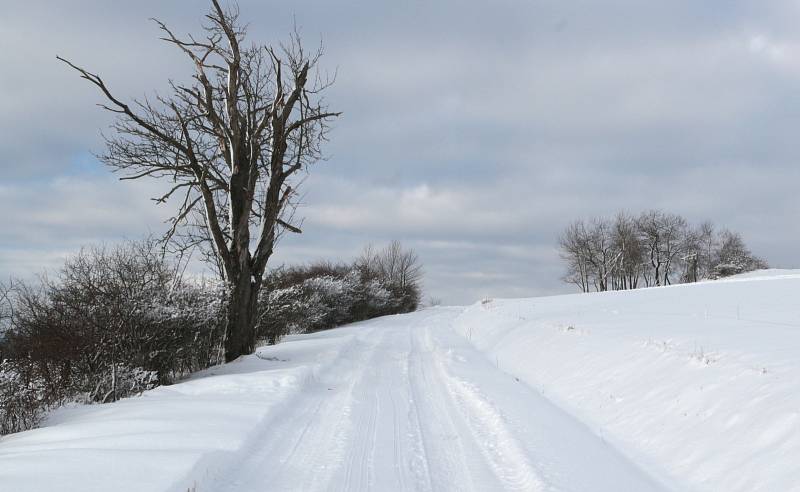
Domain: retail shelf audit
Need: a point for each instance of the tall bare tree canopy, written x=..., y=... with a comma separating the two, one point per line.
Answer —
x=231, y=143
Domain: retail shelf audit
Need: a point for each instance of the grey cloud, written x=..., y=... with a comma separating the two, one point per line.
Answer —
x=473, y=131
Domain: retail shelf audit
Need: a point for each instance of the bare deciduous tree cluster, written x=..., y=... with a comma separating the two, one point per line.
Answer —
x=656, y=248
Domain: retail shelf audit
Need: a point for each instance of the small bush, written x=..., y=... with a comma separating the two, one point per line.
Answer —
x=22, y=401
x=114, y=323
x=325, y=295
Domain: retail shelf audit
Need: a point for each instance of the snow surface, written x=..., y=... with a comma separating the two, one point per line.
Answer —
x=691, y=387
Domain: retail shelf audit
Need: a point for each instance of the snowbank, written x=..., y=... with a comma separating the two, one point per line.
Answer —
x=172, y=437
x=767, y=274
x=700, y=384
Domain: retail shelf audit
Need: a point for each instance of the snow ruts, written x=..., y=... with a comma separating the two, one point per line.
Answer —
x=410, y=405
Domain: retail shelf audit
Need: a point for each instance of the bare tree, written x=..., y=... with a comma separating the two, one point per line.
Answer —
x=369, y=259
x=675, y=237
x=603, y=256
x=6, y=310
x=663, y=236
x=706, y=243
x=631, y=252
x=591, y=253
x=699, y=247
x=231, y=143
x=573, y=244
x=400, y=266
x=5, y=299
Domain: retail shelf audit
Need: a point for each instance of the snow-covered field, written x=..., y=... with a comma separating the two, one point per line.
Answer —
x=682, y=388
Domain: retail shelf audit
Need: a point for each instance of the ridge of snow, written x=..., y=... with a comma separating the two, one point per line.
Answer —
x=173, y=434
x=698, y=383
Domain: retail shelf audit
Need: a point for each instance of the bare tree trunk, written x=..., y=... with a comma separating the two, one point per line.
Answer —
x=242, y=317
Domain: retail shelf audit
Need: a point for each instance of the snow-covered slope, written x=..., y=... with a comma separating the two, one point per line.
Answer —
x=170, y=437
x=700, y=384
x=681, y=388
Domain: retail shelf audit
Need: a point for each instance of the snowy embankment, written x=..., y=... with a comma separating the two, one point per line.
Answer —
x=681, y=388
x=170, y=438
x=699, y=384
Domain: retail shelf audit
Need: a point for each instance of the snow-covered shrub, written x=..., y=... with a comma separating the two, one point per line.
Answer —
x=319, y=296
x=123, y=306
x=180, y=331
x=282, y=312
x=726, y=270
x=733, y=257
x=114, y=322
x=122, y=381
x=22, y=401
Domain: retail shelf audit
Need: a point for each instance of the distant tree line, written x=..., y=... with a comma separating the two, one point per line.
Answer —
x=653, y=249
x=117, y=321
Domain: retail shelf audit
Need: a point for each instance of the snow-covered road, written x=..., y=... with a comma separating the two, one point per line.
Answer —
x=410, y=405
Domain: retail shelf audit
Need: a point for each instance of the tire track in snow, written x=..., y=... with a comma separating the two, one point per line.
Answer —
x=563, y=451
x=306, y=441
x=385, y=445
x=410, y=405
x=419, y=458
x=506, y=456
x=503, y=453
x=360, y=460
x=450, y=457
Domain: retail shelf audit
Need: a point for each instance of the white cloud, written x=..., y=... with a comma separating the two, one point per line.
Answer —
x=50, y=218
x=784, y=54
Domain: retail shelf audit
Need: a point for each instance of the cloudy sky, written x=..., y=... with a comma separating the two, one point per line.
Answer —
x=472, y=131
